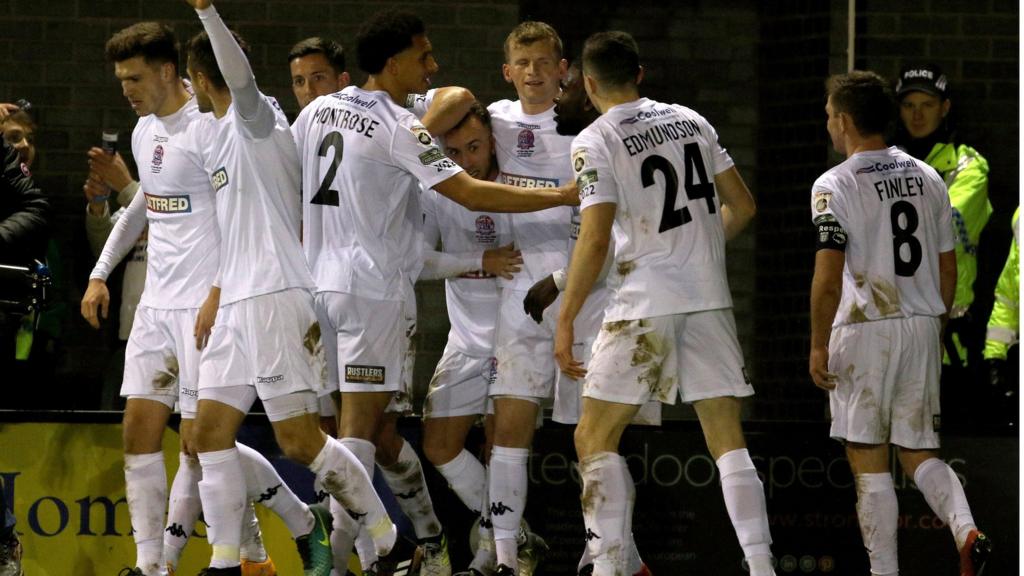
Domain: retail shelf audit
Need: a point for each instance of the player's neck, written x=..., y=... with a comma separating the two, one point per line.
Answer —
x=534, y=108
x=865, y=144
x=607, y=100
x=174, y=101
x=375, y=83
x=221, y=101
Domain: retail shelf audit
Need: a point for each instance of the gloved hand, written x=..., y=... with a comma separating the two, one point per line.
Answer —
x=997, y=377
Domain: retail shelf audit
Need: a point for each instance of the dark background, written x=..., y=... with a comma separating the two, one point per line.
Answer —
x=754, y=69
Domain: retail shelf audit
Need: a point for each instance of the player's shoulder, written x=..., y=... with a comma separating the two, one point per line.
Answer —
x=502, y=107
x=837, y=178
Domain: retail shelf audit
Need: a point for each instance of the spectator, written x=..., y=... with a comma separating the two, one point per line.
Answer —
x=1003, y=332
x=926, y=133
x=108, y=172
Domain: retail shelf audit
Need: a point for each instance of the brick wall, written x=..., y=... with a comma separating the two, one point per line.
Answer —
x=793, y=146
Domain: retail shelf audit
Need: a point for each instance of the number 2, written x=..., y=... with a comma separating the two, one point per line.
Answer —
x=325, y=195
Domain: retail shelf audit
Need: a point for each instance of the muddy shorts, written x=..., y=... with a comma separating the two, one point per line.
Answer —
x=161, y=357
x=271, y=341
x=693, y=355
x=888, y=382
x=525, y=350
x=367, y=343
x=459, y=385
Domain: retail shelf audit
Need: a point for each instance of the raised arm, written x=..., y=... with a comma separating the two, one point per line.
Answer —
x=234, y=66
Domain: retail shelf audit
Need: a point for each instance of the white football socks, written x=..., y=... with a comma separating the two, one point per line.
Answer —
x=263, y=485
x=145, y=479
x=605, y=504
x=405, y=477
x=744, y=500
x=466, y=477
x=183, y=508
x=345, y=477
x=508, y=484
x=878, y=512
x=945, y=495
x=222, y=490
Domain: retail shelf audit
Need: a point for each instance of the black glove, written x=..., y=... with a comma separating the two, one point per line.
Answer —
x=540, y=296
x=997, y=377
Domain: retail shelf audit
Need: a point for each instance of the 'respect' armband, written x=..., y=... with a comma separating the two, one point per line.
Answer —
x=830, y=234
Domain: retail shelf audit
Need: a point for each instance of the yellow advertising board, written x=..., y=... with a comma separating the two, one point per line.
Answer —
x=65, y=483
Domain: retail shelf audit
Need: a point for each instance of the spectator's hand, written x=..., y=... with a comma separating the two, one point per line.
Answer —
x=6, y=109
x=997, y=377
x=206, y=317
x=819, y=369
x=503, y=261
x=199, y=4
x=96, y=297
x=540, y=296
x=96, y=194
x=111, y=170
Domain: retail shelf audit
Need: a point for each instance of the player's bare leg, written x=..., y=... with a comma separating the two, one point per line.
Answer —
x=145, y=477
x=945, y=495
x=741, y=488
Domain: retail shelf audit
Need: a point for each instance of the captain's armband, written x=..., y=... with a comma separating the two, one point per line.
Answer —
x=830, y=233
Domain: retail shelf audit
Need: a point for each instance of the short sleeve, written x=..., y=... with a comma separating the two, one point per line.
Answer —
x=418, y=104
x=944, y=215
x=414, y=149
x=591, y=165
x=826, y=202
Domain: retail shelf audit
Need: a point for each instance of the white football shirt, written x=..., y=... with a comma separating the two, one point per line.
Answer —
x=472, y=298
x=896, y=214
x=657, y=163
x=176, y=198
x=531, y=154
x=362, y=159
x=257, y=181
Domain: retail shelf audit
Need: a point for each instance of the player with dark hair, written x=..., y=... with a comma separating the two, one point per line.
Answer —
x=884, y=280
x=668, y=329
x=363, y=154
x=317, y=67
x=266, y=339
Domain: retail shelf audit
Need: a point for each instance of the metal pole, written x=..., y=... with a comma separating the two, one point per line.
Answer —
x=851, y=31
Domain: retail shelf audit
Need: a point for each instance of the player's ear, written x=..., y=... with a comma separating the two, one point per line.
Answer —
x=506, y=73
x=344, y=79
x=563, y=68
x=167, y=71
x=640, y=75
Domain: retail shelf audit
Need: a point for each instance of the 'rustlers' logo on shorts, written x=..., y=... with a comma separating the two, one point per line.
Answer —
x=269, y=379
x=219, y=179
x=357, y=374
x=168, y=204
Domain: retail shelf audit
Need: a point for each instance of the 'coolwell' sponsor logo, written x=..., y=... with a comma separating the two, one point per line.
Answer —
x=647, y=115
x=887, y=166
x=357, y=374
x=528, y=181
x=269, y=379
x=169, y=204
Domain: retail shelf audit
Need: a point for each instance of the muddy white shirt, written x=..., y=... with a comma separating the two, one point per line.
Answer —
x=896, y=214
x=363, y=157
x=657, y=162
x=176, y=199
x=531, y=154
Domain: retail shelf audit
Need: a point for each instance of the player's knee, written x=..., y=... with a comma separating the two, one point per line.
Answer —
x=300, y=448
x=439, y=450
